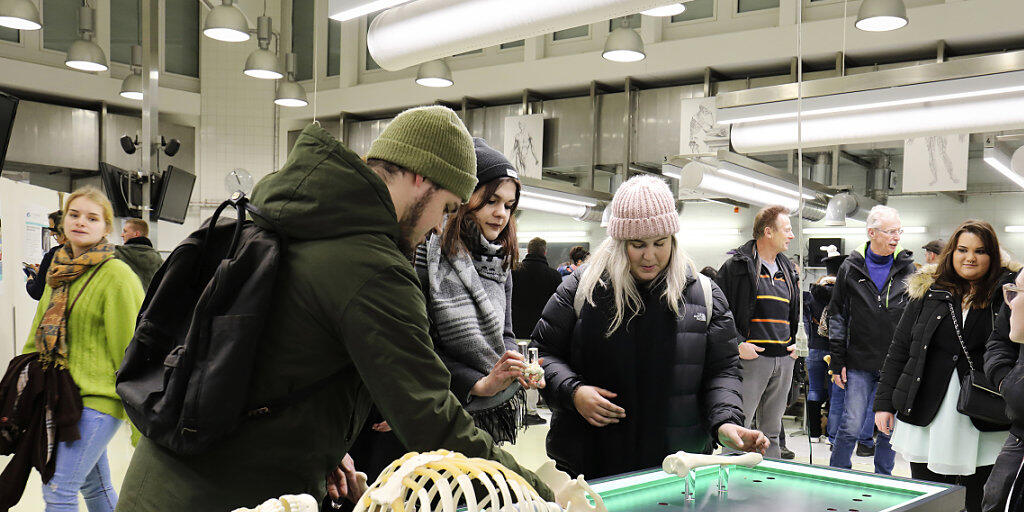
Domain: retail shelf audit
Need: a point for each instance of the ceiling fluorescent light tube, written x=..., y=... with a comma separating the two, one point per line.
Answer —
x=344, y=10
x=1014, y=229
x=850, y=231
x=562, y=197
x=547, y=205
x=699, y=232
x=1000, y=161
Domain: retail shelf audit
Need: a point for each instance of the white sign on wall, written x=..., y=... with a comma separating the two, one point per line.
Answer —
x=699, y=132
x=524, y=143
x=935, y=164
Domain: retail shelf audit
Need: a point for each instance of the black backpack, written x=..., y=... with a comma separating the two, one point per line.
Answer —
x=185, y=376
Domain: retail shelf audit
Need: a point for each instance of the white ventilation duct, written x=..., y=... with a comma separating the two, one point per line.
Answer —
x=425, y=30
x=844, y=206
x=973, y=115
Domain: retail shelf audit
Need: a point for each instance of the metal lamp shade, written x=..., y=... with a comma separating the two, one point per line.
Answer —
x=434, y=73
x=290, y=94
x=19, y=14
x=227, y=23
x=881, y=15
x=624, y=45
x=263, y=64
x=86, y=56
x=131, y=87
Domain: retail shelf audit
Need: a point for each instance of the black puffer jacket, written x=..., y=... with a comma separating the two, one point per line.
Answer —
x=861, y=318
x=925, y=351
x=1004, y=366
x=702, y=387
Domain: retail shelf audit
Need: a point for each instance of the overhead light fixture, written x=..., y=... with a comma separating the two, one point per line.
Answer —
x=434, y=73
x=344, y=10
x=131, y=87
x=84, y=54
x=289, y=92
x=1014, y=229
x=19, y=15
x=881, y=15
x=624, y=45
x=553, y=236
x=556, y=207
x=561, y=203
x=227, y=23
x=262, y=63
x=665, y=10
x=726, y=179
x=862, y=230
x=996, y=158
x=702, y=232
x=552, y=195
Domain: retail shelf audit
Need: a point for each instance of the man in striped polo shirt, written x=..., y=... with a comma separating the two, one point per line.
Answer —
x=762, y=287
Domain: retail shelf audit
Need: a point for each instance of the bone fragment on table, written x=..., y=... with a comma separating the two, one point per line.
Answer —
x=681, y=463
x=569, y=494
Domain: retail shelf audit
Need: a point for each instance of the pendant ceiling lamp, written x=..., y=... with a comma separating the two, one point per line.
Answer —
x=289, y=92
x=262, y=63
x=19, y=15
x=131, y=87
x=84, y=54
x=881, y=15
x=227, y=23
x=624, y=45
x=434, y=73
x=665, y=10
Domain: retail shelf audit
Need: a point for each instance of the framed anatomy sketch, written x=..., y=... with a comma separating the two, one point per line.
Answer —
x=524, y=143
x=700, y=132
x=935, y=163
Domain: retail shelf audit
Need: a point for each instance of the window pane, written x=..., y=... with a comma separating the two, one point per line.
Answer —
x=182, y=38
x=9, y=34
x=302, y=38
x=696, y=10
x=471, y=52
x=370, y=63
x=632, y=21
x=60, y=23
x=513, y=44
x=333, y=47
x=756, y=5
x=570, y=33
x=124, y=29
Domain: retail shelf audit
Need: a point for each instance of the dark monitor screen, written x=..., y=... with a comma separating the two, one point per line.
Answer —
x=175, y=192
x=8, y=107
x=121, y=190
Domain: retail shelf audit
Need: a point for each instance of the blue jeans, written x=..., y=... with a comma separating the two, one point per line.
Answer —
x=860, y=398
x=837, y=401
x=817, y=375
x=82, y=466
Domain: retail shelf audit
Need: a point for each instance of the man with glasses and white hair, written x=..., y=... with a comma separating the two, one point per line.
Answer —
x=867, y=303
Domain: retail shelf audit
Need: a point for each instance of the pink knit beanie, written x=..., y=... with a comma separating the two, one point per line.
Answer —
x=643, y=207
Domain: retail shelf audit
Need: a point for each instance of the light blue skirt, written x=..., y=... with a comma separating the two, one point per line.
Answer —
x=950, y=445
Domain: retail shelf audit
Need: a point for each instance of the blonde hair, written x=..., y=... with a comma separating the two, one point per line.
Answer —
x=97, y=196
x=609, y=267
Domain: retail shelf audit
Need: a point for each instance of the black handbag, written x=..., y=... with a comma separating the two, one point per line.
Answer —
x=978, y=399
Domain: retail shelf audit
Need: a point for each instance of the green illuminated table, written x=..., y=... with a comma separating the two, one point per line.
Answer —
x=776, y=485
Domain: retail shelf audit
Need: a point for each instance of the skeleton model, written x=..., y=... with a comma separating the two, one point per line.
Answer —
x=286, y=503
x=443, y=481
x=683, y=464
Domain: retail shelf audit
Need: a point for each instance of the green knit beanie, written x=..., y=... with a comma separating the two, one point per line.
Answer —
x=432, y=142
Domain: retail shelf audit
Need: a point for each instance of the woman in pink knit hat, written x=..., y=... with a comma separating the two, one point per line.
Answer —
x=637, y=365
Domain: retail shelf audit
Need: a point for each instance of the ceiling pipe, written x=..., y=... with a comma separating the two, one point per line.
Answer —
x=426, y=30
x=846, y=205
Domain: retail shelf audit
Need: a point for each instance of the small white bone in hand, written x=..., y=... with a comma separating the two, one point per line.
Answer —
x=570, y=494
x=681, y=463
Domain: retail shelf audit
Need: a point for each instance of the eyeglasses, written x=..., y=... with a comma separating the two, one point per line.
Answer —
x=1010, y=291
x=890, y=232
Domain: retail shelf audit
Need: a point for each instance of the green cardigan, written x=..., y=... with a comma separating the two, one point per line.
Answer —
x=99, y=329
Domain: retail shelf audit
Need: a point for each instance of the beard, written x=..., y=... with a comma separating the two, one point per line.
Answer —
x=407, y=239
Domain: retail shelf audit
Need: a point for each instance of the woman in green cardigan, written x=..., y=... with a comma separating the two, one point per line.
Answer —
x=84, y=321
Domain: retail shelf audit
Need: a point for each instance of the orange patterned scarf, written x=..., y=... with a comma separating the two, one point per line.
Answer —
x=51, y=336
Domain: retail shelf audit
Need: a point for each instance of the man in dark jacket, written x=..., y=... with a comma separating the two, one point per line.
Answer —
x=867, y=303
x=347, y=303
x=138, y=251
x=762, y=288
x=1005, y=368
x=533, y=283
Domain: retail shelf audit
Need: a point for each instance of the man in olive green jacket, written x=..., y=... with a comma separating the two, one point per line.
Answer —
x=347, y=299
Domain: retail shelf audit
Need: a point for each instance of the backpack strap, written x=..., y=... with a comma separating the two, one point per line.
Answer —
x=67, y=313
x=705, y=284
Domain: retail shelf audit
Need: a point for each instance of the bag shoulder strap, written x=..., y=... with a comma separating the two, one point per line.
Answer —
x=67, y=312
x=956, y=326
x=705, y=284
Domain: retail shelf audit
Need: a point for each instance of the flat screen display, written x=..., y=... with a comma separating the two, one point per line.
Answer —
x=174, y=194
x=8, y=107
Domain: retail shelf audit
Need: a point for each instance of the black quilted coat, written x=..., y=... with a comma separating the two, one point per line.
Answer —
x=697, y=382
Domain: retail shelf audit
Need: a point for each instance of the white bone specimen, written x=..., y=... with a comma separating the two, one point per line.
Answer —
x=681, y=463
x=570, y=494
x=443, y=481
x=287, y=503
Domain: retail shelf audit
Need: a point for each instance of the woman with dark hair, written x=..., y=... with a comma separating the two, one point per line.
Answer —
x=950, y=315
x=36, y=282
x=466, y=273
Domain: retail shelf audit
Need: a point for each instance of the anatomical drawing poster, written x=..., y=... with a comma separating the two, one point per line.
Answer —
x=524, y=143
x=935, y=163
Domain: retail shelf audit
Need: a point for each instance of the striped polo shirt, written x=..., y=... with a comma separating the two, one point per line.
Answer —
x=769, y=325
